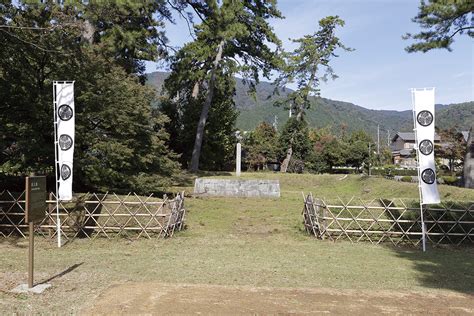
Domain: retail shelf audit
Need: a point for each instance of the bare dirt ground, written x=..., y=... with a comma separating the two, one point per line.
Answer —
x=159, y=298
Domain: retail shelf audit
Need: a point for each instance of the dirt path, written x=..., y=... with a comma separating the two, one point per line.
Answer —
x=157, y=298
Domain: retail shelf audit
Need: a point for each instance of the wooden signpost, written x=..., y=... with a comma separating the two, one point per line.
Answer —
x=35, y=206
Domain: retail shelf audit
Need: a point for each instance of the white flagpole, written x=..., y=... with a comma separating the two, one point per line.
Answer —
x=423, y=234
x=58, y=219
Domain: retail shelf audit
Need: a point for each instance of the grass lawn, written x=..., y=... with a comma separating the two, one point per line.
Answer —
x=230, y=241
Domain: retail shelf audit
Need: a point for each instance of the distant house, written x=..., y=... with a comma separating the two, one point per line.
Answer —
x=403, y=152
x=402, y=147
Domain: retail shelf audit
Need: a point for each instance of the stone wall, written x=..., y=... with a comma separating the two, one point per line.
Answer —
x=237, y=187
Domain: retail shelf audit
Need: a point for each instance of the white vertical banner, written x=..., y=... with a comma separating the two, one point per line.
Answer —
x=65, y=120
x=424, y=117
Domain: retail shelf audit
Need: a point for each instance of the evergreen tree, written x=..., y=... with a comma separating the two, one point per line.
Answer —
x=297, y=133
x=442, y=20
x=308, y=64
x=261, y=146
x=184, y=111
x=119, y=144
x=128, y=31
x=320, y=138
x=358, y=149
x=233, y=37
x=335, y=153
x=122, y=146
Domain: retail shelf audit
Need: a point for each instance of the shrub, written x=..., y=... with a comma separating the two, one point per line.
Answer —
x=450, y=180
x=388, y=170
x=391, y=171
x=406, y=179
x=342, y=170
x=295, y=166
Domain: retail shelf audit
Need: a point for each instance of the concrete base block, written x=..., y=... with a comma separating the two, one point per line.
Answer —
x=237, y=188
x=37, y=289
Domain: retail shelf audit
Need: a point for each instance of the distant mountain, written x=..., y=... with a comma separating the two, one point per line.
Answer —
x=330, y=113
x=459, y=115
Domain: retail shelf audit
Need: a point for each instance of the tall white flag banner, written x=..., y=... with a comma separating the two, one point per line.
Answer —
x=64, y=119
x=424, y=117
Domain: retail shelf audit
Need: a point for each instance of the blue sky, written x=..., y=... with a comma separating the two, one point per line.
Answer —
x=379, y=73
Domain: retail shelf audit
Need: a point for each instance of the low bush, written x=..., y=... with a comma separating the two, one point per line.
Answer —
x=342, y=170
x=393, y=171
x=295, y=166
x=450, y=180
x=406, y=179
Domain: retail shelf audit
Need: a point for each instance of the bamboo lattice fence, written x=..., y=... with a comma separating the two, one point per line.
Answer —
x=380, y=220
x=97, y=215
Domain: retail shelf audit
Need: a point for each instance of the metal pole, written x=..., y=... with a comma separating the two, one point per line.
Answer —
x=31, y=253
x=31, y=231
x=423, y=229
x=58, y=219
x=423, y=237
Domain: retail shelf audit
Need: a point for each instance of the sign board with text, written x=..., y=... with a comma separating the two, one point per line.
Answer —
x=35, y=199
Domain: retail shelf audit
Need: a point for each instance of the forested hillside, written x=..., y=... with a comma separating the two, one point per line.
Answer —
x=336, y=114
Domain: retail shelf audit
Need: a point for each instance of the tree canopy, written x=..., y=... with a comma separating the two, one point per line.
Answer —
x=441, y=21
x=233, y=37
x=120, y=145
x=309, y=63
x=260, y=146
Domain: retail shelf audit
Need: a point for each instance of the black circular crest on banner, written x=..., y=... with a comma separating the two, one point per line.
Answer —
x=65, y=172
x=428, y=176
x=65, y=112
x=65, y=142
x=426, y=147
x=424, y=118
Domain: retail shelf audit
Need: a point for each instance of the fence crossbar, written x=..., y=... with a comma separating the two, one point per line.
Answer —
x=383, y=220
x=96, y=215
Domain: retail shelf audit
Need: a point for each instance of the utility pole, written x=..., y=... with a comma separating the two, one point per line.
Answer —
x=388, y=138
x=369, y=159
x=378, y=139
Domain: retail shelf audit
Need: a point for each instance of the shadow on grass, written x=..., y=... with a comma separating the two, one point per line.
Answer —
x=70, y=269
x=449, y=267
x=15, y=241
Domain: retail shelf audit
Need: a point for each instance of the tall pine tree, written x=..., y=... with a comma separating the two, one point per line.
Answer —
x=234, y=37
x=307, y=65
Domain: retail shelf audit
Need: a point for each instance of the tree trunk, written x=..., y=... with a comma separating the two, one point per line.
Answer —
x=312, y=77
x=196, y=89
x=299, y=118
x=88, y=31
x=468, y=168
x=204, y=112
x=286, y=162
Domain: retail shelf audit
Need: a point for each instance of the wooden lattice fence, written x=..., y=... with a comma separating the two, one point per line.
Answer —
x=397, y=221
x=97, y=215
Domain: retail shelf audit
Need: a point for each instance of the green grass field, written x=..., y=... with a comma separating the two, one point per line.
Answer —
x=231, y=241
